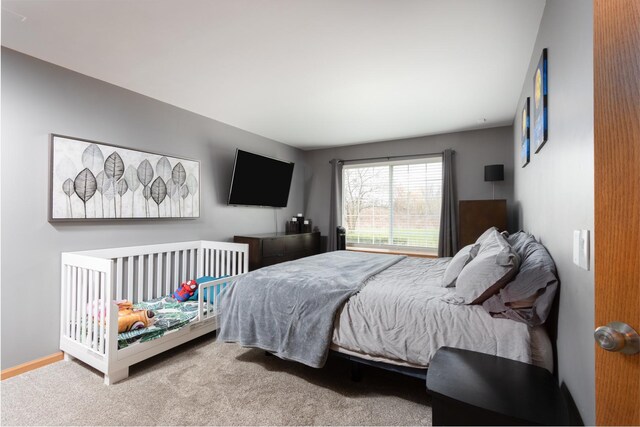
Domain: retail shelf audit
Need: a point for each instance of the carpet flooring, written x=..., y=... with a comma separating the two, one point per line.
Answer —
x=209, y=383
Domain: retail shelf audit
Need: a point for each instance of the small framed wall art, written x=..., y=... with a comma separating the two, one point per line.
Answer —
x=91, y=180
x=525, y=150
x=540, y=106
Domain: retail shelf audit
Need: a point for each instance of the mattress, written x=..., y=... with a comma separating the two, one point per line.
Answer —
x=169, y=315
x=401, y=317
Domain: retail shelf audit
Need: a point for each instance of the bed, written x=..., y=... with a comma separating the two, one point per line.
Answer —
x=393, y=310
x=413, y=320
x=93, y=281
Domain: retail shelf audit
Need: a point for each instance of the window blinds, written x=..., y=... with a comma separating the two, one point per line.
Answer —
x=393, y=204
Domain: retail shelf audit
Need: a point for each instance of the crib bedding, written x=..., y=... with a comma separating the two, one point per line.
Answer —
x=169, y=315
x=400, y=315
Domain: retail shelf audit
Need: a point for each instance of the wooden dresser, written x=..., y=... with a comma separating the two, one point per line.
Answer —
x=273, y=248
x=477, y=215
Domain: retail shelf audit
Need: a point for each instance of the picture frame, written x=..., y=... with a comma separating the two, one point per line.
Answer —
x=540, y=103
x=525, y=142
x=97, y=181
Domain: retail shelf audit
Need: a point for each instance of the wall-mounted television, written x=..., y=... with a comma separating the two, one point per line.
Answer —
x=260, y=181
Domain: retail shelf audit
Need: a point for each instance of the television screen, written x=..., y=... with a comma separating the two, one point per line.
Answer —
x=260, y=181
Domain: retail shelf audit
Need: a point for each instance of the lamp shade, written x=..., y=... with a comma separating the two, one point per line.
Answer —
x=494, y=173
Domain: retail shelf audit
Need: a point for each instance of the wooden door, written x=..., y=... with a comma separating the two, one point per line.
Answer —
x=617, y=201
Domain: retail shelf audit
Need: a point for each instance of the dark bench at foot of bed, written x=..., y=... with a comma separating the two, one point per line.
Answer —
x=470, y=388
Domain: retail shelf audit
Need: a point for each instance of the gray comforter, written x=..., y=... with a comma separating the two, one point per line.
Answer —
x=402, y=315
x=289, y=308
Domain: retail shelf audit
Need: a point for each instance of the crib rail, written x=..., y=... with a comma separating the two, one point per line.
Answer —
x=86, y=284
x=209, y=296
x=147, y=272
x=149, y=275
x=224, y=260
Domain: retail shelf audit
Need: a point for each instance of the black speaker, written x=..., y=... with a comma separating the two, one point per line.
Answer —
x=341, y=238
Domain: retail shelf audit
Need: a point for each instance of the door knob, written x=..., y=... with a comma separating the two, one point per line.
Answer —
x=618, y=336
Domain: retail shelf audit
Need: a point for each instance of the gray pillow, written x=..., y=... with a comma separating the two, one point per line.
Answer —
x=494, y=266
x=518, y=241
x=486, y=234
x=457, y=263
x=528, y=298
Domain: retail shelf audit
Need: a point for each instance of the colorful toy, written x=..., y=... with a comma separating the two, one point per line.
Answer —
x=124, y=307
x=205, y=279
x=185, y=291
x=129, y=319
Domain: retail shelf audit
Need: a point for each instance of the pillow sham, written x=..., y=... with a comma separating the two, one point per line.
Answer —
x=486, y=234
x=518, y=241
x=529, y=297
x=494, y=266
x=457, y=263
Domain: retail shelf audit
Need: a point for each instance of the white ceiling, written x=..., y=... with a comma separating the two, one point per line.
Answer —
x=307, y=73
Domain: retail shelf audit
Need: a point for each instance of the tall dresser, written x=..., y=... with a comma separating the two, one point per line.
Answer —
x=475, y=216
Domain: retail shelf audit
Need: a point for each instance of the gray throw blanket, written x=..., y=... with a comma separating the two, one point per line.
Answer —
x=288, y=309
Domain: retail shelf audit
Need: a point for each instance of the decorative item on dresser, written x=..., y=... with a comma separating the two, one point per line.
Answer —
x=475, y=216
x=274, y=248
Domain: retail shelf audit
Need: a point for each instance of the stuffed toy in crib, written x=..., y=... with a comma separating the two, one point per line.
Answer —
x=130, y=319
x=185, y=291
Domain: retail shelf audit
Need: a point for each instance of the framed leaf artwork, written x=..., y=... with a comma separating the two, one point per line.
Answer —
x=525, y=150
x=91, y=180
x=540, y=115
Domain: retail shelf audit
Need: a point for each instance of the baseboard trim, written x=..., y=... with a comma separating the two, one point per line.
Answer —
x=30, y=366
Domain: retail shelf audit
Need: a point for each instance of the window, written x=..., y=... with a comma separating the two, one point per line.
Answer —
x=393, y=204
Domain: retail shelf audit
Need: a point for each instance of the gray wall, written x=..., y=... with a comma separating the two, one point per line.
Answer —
x=555, y=191
x=474, y=149
x=39, y=98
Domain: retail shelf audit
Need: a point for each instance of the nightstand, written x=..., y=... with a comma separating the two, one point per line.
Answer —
x=471, y=388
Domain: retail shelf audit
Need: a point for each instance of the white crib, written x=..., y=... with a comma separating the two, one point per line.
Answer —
x=137, y=273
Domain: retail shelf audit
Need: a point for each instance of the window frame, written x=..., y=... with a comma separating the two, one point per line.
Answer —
x=409, y=160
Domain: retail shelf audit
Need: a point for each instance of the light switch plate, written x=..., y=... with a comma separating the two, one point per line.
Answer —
x=581, y=248
x=576, y=247
x=584, y=249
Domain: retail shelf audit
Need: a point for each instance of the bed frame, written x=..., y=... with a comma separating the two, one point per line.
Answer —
x=358, y=362
x=137, y=273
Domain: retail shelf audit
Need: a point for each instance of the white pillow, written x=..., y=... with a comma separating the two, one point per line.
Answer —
x=492, y=268
x=457, y=263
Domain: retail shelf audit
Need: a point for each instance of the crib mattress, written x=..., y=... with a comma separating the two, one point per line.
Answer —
x=169, y=315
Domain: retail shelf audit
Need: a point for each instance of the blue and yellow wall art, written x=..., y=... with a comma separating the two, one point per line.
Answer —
x=524, y=136
x=540, y=116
